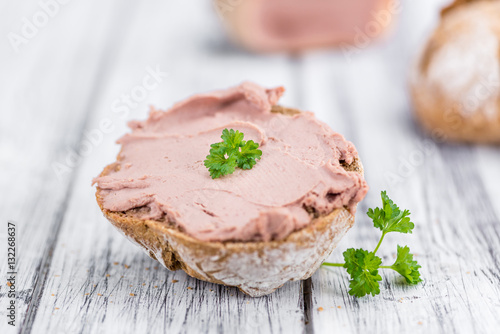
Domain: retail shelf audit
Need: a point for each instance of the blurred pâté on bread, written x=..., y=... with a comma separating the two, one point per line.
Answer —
x=295, y=25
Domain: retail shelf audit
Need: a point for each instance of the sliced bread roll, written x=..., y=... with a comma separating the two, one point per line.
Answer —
x=255, y=261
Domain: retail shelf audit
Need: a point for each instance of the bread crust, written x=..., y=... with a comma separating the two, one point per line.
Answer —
x=456, y=4
x=256, y=268
x=444, y=120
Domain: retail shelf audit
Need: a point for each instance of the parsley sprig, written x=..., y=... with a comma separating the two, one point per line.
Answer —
x=232, y=152
x=363, y=265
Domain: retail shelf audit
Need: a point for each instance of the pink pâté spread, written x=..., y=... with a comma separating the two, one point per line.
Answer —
x=161, y=168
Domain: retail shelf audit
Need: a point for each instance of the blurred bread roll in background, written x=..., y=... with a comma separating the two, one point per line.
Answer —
x=455, y=83
x=294, y=25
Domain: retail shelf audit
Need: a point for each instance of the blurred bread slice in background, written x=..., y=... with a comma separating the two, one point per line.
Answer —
x=455, y=82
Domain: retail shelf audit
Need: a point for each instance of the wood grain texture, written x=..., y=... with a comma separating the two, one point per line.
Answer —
x=139, y=295
x=456, y=238
x=45, y=116
x=77, y=274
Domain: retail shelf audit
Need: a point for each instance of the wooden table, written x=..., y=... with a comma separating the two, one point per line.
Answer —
x=63, y=103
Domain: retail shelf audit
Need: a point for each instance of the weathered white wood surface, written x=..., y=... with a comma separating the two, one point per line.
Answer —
x=47, y=91
x=77, y=274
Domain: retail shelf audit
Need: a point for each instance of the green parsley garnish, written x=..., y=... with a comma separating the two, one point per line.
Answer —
x=232, y=152
x=363, y=266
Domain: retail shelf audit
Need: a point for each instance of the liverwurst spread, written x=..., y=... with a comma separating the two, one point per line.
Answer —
x=160, y=168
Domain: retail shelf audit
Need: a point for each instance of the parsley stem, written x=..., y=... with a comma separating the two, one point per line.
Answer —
x=379, y=242
x=386, y=267
x=329, y=264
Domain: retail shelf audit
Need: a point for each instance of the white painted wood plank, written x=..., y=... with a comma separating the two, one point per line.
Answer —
x=488, y=164
x=79, y=296
x=43, y=109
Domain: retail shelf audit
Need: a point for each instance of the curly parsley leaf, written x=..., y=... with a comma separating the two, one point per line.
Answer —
x=390, y=218
x=363, y=267
x=406, y=266
x=248, y=155
x=232, y=152
x=217, y=163
x=232, y=139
